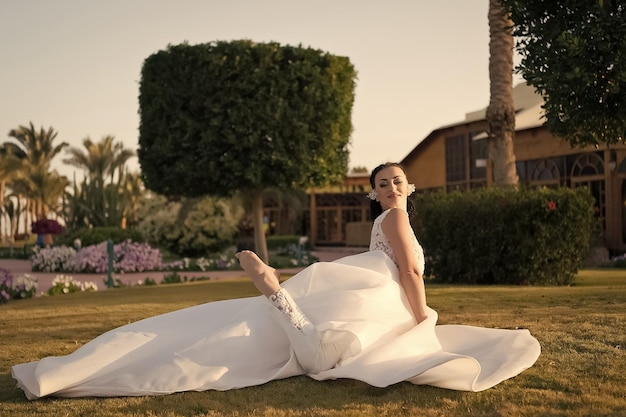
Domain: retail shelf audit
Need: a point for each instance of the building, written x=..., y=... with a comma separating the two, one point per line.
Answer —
x=455, y=157
x=340, y=214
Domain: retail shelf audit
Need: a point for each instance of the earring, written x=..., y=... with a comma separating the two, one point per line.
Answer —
x=372, y=195
x=411, y=189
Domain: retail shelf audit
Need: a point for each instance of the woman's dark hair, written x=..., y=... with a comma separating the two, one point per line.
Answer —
x=375, y=208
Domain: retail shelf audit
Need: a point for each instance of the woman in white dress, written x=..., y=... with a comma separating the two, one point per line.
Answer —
x=363, y=317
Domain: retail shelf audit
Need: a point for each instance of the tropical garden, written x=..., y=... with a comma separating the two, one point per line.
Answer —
x=63, y=226
x=36, y=199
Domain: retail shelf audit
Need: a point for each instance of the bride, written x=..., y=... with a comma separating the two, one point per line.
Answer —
x=363, y=317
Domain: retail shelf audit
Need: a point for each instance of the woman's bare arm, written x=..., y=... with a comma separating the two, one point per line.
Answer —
x=398, y=230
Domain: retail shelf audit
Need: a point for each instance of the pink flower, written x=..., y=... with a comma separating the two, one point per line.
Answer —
x=551, y=206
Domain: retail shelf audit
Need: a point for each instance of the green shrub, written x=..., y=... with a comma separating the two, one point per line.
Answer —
x=94, y=235
x=617, y=262
x=19, y=252
x=172, y=278
x=504, y=236
x=190, y=227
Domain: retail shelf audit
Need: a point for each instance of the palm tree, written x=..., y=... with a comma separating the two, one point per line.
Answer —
x=9, y=168
x=44, y=189
x=107, y=194
x=100, y=160
x=132, y=192
x=501, y=111
x=34, y=180
x=37, y=147
x=14, y=207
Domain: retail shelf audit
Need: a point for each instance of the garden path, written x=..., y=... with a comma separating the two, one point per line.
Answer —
x=20, y=266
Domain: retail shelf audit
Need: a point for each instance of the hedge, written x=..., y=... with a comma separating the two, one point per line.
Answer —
x=94, y=235
x=505, y=236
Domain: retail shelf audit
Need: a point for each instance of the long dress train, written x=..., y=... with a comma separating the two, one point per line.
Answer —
x=355, y=302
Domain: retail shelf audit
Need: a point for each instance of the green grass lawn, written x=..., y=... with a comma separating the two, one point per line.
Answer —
x=581, y=372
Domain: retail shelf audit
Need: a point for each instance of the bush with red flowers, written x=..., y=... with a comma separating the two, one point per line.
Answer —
x=47, y=226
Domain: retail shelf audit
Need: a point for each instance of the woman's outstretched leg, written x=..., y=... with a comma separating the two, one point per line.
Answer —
x=264, y=277
x=313, y=355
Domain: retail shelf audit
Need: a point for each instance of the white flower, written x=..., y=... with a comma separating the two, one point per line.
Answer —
x=88, y=286
x=28, y=281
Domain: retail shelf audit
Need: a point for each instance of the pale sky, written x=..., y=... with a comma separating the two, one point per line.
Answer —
x=74, y=65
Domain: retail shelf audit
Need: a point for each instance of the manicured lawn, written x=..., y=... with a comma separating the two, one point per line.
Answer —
x=581, y=372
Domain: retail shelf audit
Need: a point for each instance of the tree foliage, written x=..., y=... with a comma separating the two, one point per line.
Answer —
x=223, y=117
x=95, y=204
x=10, y=166
x=42, y=186
x=108, y=195
x=37, y=146
x=574, y=54
x=100, y=159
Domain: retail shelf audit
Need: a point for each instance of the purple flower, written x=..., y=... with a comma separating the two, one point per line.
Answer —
x=6, y=285
x=6, y=277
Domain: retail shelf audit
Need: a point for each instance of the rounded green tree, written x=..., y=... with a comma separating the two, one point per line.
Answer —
x=226, y=117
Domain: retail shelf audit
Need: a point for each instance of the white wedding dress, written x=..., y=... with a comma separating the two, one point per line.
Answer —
x=237, y=343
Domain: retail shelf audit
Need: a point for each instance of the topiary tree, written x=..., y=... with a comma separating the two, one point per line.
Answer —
x=574, y=54
x=226, y=117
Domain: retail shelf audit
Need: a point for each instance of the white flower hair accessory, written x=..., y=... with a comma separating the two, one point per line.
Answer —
x=373, y=195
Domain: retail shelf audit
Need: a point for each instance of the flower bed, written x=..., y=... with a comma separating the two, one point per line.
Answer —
x=128, y=257
x=24, y=286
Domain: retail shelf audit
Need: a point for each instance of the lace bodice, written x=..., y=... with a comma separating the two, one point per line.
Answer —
x=379, y=241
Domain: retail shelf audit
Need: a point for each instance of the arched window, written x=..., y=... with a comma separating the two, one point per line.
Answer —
x=545, y=172
x=588, y=165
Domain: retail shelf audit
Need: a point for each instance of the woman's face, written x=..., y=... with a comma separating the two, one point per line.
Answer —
x=391, y=187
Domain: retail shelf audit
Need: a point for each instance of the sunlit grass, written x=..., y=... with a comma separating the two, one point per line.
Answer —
x=581, y=371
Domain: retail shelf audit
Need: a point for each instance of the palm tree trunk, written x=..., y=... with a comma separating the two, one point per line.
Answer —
x=501, y=111
x=27, y=211
x=15, y=221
